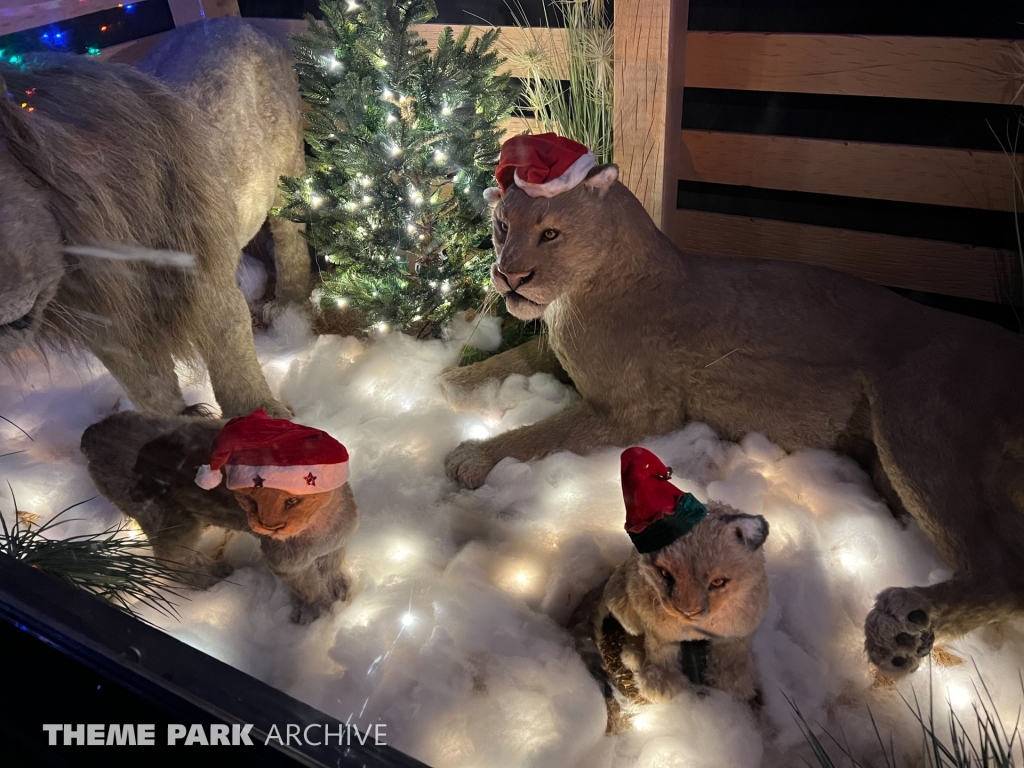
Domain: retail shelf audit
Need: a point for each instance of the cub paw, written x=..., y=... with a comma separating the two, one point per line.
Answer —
x=201, y=572
x=306, y=613
x=469, y=464
x=899, y=632
x=277, y=410
x=659, y=684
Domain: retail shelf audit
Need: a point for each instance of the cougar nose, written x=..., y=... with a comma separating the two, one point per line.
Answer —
x=516, y=279
x=693, y=613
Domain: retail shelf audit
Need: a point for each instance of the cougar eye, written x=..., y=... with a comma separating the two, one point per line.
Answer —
x=291, y=502
x=549, y=234
x=502, y=226
x=718, y=583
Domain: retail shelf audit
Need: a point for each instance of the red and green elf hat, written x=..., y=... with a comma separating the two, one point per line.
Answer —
x=543, y=165
x=657, y=513
x=257, y=451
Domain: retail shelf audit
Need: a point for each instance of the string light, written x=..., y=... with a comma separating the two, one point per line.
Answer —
x=391, y=118
x=408, y=620
x=396, y=151
x=315, y=200
x=440, y=156
x=446, y=110
x=342, y=303
x=365, y=181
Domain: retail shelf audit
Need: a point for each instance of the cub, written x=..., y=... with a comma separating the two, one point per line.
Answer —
x=285, y=483
x=681, y=611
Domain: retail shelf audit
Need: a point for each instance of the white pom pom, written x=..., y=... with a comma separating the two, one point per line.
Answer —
x=492, y=195
x=207, y=478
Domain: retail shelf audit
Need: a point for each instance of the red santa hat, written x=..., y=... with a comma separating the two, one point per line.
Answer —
x=542, y=165
x=260, y=452
x=657, y=513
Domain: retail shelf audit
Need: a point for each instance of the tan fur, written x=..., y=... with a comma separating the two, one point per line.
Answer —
x=146, y=465
x=668, y=596
x=929, y=402
x=112, y=157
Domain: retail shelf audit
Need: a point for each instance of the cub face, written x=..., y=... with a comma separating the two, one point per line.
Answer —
x=282, y=515
x=711, y=582
x=544, y=246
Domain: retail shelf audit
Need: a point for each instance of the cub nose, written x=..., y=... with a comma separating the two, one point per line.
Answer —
x=693, y=613
x=515, y=279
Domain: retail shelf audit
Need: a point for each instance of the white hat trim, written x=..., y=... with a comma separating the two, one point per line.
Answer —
x=299, y=480
x=573, y=175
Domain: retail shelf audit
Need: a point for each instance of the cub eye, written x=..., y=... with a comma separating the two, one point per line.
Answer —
x=666, y=574
x=718, y=583
x=291, y=502
x=502, y=226
x=549, y=234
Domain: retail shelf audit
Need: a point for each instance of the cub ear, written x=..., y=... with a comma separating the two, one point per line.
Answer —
x=601, y=178
x=752, y=530
x=492, y=195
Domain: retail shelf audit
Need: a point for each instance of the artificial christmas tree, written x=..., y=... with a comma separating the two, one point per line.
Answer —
x=404, y=142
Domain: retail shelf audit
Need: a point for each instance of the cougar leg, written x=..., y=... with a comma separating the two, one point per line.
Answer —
x=230, y=354
x=148, y=378
x=945, y=465
x=291, y=261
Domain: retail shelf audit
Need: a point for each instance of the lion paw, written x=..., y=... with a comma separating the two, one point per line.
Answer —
x=899, y=632
x=469, y=464
x=659, y=684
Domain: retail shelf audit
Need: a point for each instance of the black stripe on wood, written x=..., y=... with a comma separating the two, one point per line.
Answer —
x=933, y=222
x=936, y=18
x=919, y=122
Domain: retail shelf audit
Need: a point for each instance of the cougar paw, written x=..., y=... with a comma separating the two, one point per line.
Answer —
x=659, y=684
x=469, y=464
x=458, y=384
x=899, y=633
x=201, y=572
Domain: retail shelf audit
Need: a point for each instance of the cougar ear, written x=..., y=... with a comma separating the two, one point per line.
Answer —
x=601, y=178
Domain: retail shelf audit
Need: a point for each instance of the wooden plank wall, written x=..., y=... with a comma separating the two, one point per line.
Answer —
x=730, y=175
x=719, y=189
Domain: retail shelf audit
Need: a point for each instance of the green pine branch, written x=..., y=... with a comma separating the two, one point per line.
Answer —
x=403, y=143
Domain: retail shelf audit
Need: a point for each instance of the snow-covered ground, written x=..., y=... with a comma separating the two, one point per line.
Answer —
x=452, y=636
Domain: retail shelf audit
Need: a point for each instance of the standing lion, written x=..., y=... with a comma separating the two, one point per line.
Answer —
x=112, y=179
x=930, y=403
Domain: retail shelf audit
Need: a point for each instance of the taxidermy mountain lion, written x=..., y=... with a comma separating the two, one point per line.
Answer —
x=126, y=197
x=930, y=403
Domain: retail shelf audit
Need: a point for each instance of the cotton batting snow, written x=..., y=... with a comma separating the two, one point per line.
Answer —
x=452, y=635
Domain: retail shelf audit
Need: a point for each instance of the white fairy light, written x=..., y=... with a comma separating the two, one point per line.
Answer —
x=446, y=110
x=391, y=118
x=439, y=156
x=415, y=318
x=315, y=200
x=386, y=93
x=396, y=150
x=410, y=228
x=399, y=554
x=367, y=199
x=342, y=302
x=958, y=697
x=641, y=722
x=445, y=287
x=382, y=327
x=331, y=63
x=353, y=6
x=366, y=181
x=408, y=620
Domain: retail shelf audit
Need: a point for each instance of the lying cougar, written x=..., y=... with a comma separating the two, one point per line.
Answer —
x=930, y=403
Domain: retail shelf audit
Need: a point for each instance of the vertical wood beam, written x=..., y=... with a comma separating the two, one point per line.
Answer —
x=650, y=60
x=186, y=11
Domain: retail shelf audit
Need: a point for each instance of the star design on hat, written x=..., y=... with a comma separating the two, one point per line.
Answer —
x=310, y=479
x=257, y=482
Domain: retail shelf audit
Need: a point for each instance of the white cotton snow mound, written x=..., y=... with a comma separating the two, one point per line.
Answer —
x=452, y=635
x=251, y=277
